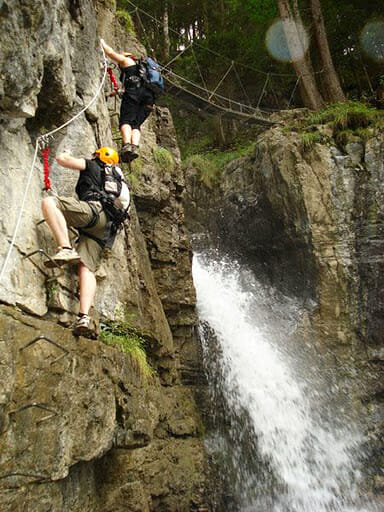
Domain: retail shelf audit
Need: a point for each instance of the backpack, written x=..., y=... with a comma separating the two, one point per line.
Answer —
x=150, y=72
x=116, y=197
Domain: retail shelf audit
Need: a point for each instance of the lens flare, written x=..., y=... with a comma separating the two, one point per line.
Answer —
x=372, y=40
x=287, y=40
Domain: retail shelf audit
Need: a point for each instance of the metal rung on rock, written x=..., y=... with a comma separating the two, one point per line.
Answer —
x=37, y=405
x=41, y=251
x=42, y=337
x=28, y=475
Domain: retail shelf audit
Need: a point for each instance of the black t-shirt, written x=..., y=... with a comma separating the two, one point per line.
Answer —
x=130, y=76
x=90, y=179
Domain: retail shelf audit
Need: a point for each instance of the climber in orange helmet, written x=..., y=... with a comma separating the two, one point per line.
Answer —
x=103, y=201
x=137, y=101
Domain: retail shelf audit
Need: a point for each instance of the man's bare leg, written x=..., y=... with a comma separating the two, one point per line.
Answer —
x=126, y=133
x=56, y=221
x=136, y=136
x=87, y=281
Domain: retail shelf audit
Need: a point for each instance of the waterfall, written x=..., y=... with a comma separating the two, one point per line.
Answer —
x=280, y=446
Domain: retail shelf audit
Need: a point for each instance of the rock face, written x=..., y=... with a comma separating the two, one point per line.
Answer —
x=310, y=221
x=81, y=427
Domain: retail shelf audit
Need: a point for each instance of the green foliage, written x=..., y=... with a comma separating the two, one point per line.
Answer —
x=210, y=165
x=208, y=170
x=127, y=339
x=309, y=139
x=133, y=173
x=109, y=3
x=126, y=21
x=52, y=287
x=343, y=137
x=351, y=114
x=364, y=133
x=198, y=145
x=164, y=159
x=348, y=121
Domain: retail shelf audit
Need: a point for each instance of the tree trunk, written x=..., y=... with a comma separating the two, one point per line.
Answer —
x=205, y=18
x=331, y=80
x=167, y=42
x=222, y=13
x=312, y=97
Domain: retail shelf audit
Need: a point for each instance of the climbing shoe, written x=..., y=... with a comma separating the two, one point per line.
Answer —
x=83, y=327
x=65, y=255
x=134, y=151
x=128, y=152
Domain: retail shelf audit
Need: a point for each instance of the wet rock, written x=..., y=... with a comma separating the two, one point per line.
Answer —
x=310, y=223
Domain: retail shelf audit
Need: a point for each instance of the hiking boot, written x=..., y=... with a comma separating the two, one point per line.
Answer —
x=125, y=153
x=83, y=327
x=134, y=152
x=65, y=255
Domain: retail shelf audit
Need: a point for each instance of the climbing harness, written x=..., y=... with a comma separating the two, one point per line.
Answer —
x=41, y=140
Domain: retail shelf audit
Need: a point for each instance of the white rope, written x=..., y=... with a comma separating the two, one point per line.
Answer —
x=221, y=81
x=168, y=73
x=20, y=213
x=42, y=139
x=178, y=55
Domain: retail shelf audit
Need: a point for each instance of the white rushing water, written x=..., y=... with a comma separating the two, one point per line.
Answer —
x=311, y=460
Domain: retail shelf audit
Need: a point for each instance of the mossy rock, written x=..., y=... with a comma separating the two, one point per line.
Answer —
x=126, y=21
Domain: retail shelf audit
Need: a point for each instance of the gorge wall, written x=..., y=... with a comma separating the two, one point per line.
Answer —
x=308, y=219
x=82, y=428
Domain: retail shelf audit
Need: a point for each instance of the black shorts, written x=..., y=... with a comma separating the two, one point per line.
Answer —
x=136, y=107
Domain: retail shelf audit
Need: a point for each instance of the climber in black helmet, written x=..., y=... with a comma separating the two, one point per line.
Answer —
x=137, y=102
x=101, y=191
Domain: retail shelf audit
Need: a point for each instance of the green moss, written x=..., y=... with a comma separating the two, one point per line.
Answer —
x=351, y=114
x=127, y=339
x=164, y=159
x=133, y=173
x=208, y=170
x=364, y=133
x=111, y=4
x=210, y=165
x=52, y=287
x=309, y=139
x=196, y=146
x=346, y=121
x=343, y=137
x=126, y=21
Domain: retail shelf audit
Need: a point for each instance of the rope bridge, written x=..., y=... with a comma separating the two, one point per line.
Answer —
x=210, y=101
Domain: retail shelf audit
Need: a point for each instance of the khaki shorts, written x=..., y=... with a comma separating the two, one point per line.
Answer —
x=78, y=214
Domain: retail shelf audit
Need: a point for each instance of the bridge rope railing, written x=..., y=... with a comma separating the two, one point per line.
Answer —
x=214, y=99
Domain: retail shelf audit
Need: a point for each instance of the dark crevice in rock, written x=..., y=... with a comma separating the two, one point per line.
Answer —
x=53, y=108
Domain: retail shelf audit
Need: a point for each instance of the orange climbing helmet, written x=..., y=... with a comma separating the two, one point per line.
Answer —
x=107, y=155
